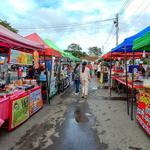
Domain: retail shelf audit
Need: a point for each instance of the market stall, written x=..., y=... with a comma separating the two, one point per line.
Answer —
x=49, y=60
x=126, y=47
x=20, y=96
x=143, y=107
x=65, y=67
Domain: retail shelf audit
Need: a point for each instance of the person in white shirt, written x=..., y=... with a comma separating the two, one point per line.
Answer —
x=84, y=77
x=98, y=71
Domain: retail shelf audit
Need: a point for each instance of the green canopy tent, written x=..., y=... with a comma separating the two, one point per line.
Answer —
x=142, y=43
x=64, y=54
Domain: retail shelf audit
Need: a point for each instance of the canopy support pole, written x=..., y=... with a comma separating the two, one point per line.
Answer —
x=47, y=87
x=132, y=86
x=127, y=96
x=110, y=74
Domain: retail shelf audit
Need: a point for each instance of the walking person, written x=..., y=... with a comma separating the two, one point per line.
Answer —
x=89, y=65
x=85, y=77
x=77, y=78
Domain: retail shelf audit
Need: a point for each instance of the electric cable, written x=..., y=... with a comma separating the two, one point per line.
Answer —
x=67, y=25
x=141, y=12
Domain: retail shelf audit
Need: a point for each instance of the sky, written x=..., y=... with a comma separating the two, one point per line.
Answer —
x=84, y=22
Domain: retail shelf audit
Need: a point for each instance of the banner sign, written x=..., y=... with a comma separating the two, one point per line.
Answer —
x=35, y=102
x=36, y=59
x=143, y=112
x=53, y=87
x=2, y=60
x=21, y=58
x=19, y=111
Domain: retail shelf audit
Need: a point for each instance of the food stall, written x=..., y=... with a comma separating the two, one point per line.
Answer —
x=20, y=97
x=126, y=47
x=49, y=59
x=143, y=107
x=64, y=67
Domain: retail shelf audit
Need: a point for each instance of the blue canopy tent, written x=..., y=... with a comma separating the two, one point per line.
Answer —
x=128, y=42
x=126, y=46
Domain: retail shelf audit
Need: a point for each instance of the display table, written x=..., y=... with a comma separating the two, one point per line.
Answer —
x=4, y=109
x=122, y=81
x=143, y=105
x=143, y=111
x=19, y=106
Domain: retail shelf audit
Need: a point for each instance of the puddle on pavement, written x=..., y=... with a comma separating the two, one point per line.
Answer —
x=80, y=117
x=76, y=132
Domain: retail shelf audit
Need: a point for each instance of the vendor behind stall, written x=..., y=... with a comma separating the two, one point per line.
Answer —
x=147, y=74
x=30, y=73
x=141, y=69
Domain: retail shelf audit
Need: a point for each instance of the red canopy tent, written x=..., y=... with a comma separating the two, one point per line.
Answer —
x=121, y=55
x=108, y=55
x=48, y=51
x=10, y=39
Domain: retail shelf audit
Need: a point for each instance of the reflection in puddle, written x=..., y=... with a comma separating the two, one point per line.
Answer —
x=79, y=116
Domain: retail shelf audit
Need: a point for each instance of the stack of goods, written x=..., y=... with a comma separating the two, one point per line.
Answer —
x=146, y=84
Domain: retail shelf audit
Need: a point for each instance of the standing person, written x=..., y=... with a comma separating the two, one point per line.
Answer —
x=95, y=68
x=141, y=69
x=77, y=78
x=90, y=68
x=98, y=71
x=85, y=77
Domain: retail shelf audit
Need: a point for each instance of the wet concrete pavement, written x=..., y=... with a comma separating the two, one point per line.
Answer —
x=72, y=123
x=76, y=132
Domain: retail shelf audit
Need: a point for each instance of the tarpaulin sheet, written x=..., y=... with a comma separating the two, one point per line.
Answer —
x=142, y=43
x=14, y=40
x=128, y=42
x=49, y=51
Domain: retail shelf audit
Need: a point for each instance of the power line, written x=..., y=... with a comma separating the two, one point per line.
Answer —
x=124, y=6
x=137, y=16
x=66, y=25
x=111, y=40
x=109, y=35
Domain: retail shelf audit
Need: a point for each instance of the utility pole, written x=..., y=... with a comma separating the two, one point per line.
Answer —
x=116, y=22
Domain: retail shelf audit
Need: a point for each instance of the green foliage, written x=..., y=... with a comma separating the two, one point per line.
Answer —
x=74, y=47
x=8, y=26
x=95, y=51
x=78, y=54
x=76, y=50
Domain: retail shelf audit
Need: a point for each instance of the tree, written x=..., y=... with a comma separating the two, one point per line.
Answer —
x=77, y=53
x=95, y=51
x=74, y=47
x=76, y=50
x=8, y=26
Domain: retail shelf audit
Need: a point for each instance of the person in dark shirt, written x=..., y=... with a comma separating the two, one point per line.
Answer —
x=141, y=69
x=77, y=78
x=30, y=73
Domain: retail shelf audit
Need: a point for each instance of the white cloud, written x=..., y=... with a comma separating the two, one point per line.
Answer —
x=22, y=5
x=30, y=14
